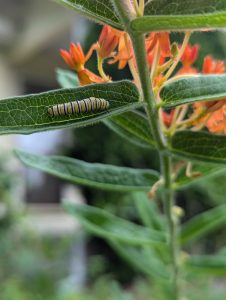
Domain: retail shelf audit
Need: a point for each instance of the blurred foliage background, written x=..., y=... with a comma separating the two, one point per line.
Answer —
x=33, y=266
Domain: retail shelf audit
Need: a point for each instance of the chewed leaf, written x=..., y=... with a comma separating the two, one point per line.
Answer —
x=28, y=114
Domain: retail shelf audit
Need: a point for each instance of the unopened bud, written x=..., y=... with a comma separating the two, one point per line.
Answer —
x=174, y=49
x=178, y=211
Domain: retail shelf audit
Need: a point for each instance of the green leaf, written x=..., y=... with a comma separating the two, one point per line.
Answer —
x=67, y=79
x=163, y=15
x=95, y=175
x=179, y=7
x=98, y=10
x=132, y=126
x=29, y=114
x=193, y=88
x=148, y=211
x=201, y=146
x=110, y=227
x=205, y=170
x=203, y=224
x=141, y=261
x=208, y=265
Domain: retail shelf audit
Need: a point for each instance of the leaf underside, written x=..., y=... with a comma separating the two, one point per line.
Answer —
x=132, y=126
x=108, y=226
x=95, y=175
x=203, y=224
x=202, y=171
x=199, y=146
x=98, y=10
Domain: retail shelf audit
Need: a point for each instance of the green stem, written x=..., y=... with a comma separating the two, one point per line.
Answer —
x=148, y=95
x=138, y=41
x=166, y=170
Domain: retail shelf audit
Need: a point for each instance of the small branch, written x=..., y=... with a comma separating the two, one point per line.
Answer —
x=137, y=8
x=100, y=69
x=141, y=6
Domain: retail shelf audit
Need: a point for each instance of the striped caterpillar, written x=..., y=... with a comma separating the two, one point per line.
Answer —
x=79, y=106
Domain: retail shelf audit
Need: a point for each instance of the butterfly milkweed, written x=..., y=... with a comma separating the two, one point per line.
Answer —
x=78, y=106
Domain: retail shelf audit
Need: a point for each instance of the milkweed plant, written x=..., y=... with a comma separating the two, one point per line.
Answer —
x=169, y=105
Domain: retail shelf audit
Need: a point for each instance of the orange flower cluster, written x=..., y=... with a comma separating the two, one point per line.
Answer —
x=115, y=47
x=214, y=111
x=109, y=40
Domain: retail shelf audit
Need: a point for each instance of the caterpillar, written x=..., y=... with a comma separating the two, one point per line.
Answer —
x=78, y=106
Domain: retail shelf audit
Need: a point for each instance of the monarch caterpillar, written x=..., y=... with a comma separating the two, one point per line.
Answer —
x=78, y=106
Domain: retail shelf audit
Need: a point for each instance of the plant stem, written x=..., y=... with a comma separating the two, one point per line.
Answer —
x=148, y=95
x=138, y=41
x=166, y=168
x=165, y=160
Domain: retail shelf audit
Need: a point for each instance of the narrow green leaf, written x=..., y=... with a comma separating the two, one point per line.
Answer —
x=95, y=175
x=193, y=88
x=139, y=259
x=176, y=15
x=201, y=146
x=132, y=126
x=110, y=227
x=29, y=114
x=204, y=171
x=98, y=10
x=179, y=7
x=148, y=211
x=67, y=79
x=203, y=224
x=208, y=265
x=179, y=23
x=151, y=218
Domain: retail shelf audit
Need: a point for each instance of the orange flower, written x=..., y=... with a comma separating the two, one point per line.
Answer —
x=190, y=55
x=76, y=60
x=75, y=57
x=150, y=58
x=217, y=122
x=107, y=42
x=87, y=77
x=164, y=42
x=215, y=118
x=211, y=66
x=125, y=52
x=168, y=117
x=188, y=58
